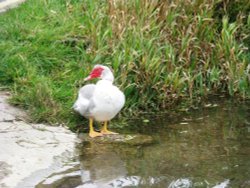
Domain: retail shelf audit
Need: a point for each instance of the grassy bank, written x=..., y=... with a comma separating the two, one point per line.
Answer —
x=161, y=53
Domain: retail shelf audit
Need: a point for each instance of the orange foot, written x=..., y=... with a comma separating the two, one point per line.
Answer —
x=107, y=132
x=94, y=134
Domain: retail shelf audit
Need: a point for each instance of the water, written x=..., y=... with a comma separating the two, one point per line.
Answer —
x=206, y=147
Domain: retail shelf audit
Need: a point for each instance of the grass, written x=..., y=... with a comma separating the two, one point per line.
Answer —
x=161, y=52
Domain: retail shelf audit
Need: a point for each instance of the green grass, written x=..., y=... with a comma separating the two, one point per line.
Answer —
x=161, y=53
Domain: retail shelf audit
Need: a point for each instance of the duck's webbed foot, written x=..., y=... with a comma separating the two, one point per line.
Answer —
x=92, y=132
x=105, y=130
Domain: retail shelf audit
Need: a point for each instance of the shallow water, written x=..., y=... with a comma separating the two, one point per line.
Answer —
x=206, y=147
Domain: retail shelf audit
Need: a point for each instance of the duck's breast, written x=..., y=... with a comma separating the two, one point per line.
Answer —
x=108, y=100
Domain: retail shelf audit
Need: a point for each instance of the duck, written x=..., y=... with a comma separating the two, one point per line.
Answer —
x=99, y=102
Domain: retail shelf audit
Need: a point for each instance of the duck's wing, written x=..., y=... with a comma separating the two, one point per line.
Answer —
x=84, y=102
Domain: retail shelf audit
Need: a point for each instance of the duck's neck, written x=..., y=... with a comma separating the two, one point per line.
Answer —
x=108, y=76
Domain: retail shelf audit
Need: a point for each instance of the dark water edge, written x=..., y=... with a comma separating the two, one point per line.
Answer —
x=204, y=147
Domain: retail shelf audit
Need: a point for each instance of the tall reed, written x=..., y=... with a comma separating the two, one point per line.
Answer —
x=162, y=52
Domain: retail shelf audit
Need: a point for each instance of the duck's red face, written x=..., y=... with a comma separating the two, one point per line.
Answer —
x=95, y=73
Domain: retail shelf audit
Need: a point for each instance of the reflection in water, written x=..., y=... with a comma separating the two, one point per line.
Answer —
x=208, y=147
x=185, y=183
x=101, y=165
x=223, y=184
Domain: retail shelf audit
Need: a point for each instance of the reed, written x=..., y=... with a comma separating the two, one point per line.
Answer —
x=162, y=52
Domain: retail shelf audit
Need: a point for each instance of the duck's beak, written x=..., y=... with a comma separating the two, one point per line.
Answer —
x=88, y=78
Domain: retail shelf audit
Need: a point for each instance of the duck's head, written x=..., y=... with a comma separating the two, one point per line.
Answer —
x=102, y=72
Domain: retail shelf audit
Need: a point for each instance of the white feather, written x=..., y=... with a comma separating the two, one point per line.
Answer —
x=101, y=101
x=108, y=100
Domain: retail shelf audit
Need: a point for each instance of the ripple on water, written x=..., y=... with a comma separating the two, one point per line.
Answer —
x=206, y=147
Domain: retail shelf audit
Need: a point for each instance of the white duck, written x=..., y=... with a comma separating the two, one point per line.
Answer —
x=100, y=101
